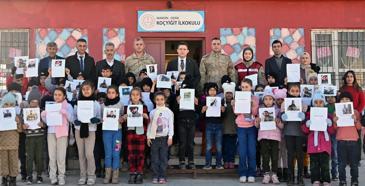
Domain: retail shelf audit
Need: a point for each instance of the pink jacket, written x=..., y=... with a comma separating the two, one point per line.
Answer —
x=67, y=113
x=271, y=134
x=248, y=120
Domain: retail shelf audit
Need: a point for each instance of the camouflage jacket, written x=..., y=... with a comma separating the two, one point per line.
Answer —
x=135, y=64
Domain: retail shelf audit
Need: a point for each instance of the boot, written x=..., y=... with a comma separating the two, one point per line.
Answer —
x=280, y=174
x=285, y=174
x=132, y=178
x=4, y=181
x=12, y=181
x=139, y=179
x=300, y=180
x=108, y=174
x=306, y=173
x=290, y=180
x=115, y=178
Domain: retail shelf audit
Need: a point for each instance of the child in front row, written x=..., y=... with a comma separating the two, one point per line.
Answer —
x=159, y=137
x=347, y=148
x=269, y=141
x=319, y=145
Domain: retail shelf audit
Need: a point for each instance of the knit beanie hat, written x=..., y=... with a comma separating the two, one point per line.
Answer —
x=311, y=75
x=318, y=96
x=229, y=87
x=268, y=92
x=34, y=94
x=280, y=93
x=8, y=98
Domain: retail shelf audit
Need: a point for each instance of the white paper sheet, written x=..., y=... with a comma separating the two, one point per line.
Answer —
x=242, y=103
x=124, y=91
x=292, y=108
x=306, y=92
x=293, y=72
x=135, y=116
x=253, y=78
x=172, y=74
x=20, y=64
x=152, y=71
x=267, y=116
x=329, y=90
x=85, y=111
x=318, y=117
x=31, y=117
x=344, y=112
x=324, y=79
x=7, y=119
x=104, y=83
x=70, y=86
x=32, y=68
x=187, y=97
x=111, y=119
x=214, y=105
x=163, y=81
x=147, y=101
x=58, y=67
x=53, y=117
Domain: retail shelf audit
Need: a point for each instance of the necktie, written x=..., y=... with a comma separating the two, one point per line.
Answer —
x=182, y=65
x=81, y=63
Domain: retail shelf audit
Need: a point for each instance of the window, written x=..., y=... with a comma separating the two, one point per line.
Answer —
x=13, y=42
x=337, y=51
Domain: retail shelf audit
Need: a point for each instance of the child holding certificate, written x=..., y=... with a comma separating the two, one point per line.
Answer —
x=136, y=139
x=85, y=131
x=9, y=144
x=269, y=137
x=347, y=147
x=319, y=143
x=57, y=137
x=112, y=138
x=247, y=136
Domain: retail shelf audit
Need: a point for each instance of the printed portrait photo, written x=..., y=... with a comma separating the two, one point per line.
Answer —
x=31, y=116
x=293, y=106
x=267, y=116
x=134, y=112
x=7, y=114
x=111, y=114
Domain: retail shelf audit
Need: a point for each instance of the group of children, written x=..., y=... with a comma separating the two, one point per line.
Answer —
x=230, y=133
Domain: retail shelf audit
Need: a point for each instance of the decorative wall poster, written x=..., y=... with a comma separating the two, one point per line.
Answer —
x=318, y=118
x=111, y=119
x=187, y=97
x=65, y=38
x=242, y=103
x=7, y=119
x=324, y=79
x=267, y=116
x=292, y=39
x=31, y=117
x=344, y=112
x=117, y=37
x=85, y=111
x=152, y=71
x=135, y=116
x=104, y=83
x=292, y=108
x=124, y=91
x=20, y=62
x=234, y=40
x=214, y=106
x=32, y=67
x=58, y=67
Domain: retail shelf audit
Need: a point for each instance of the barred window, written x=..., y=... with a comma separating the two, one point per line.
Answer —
x=337, y=51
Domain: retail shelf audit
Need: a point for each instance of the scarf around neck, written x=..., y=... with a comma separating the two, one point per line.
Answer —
x=111, y=101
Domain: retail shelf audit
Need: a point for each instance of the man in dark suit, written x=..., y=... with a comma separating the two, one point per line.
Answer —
x=117, y=67
x=45, y=63
x=276, y=65
x=185, y=64
x=81, y=62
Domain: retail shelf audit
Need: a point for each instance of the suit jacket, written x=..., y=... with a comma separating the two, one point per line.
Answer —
x=118, y=70
x=191, y=68
x=44, y=64
x=273, y=69
x=89, y=73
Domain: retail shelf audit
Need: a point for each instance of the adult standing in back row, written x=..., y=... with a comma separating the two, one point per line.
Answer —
x=276, y=65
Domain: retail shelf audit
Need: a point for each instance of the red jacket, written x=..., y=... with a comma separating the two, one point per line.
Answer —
x=244, y=71
x=358, y=97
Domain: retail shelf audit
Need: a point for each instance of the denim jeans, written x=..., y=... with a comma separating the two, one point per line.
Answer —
x=348, y=153
x=213, y=133
x=229, y=147
x=159, y=160
x=334, y=156
x=247, y=151
x=112, y=146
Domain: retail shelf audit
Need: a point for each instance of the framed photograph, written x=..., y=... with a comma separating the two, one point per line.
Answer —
x=292, y=108
x=344, y=112
x=104, y=83
x=135, y=116
x=267, y=116
x=7, y=119
x=31, y=117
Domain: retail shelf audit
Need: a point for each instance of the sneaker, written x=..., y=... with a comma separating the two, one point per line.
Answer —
x=266, y=179
x=251, y=179
x=39, y=180
x=155, y=180
x=82, y=181
x=207, y=167
x=132, y=178
x=275, y=179
x=316, y=183
x=219, y=167
x=355, y=183
x=243, y=179
x=24, y=178
x=54, y=181
x=29, y=180
x=90, y=181
x=61, y=181
x=342, y=183
x=334, y=178
x=191, y=165
x=139, y=179
x=231, y=165
x=226, y=165
x=162, y=181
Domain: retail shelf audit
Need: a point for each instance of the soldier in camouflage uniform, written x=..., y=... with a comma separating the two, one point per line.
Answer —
x=215, y=65
x=139, y=59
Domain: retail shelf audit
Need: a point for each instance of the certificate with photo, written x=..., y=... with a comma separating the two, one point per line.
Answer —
x=292, y=108
x=152, y=71
x=214, y=105
x=344, y=112
x=53, y=117
x=104, y=83
x=135, y=116
x=111, y=119
x=163, y=81
x=318, y=118
x=242, y=103
x=20, y=62
x=267, y=117
x=7, y=119
x=31, y=117
x=32, y=67
x=187, y=97
x=58, y=67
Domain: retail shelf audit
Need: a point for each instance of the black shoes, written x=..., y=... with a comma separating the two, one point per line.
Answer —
x=132, y=178
x=139, y=179
x=135, y=179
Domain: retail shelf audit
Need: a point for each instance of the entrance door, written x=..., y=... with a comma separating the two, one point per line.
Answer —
x=164, y=49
